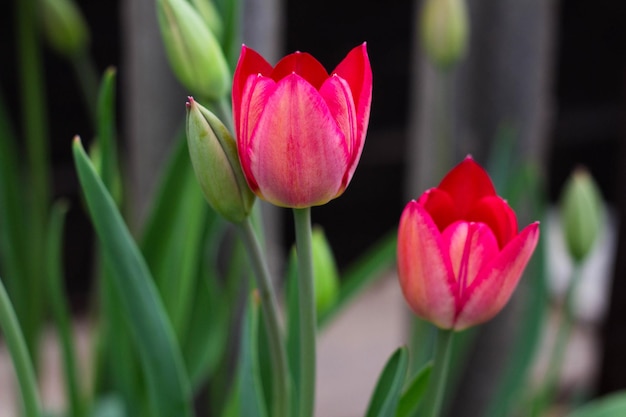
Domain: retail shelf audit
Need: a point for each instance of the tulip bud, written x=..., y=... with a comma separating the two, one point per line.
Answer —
x=444, y=28
x=325, y=272
x=210, y=15
x=581, y=213
x=213, y=153
x=193, y=51
x=64, y=27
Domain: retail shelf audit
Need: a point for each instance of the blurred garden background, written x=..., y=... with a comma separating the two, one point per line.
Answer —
x=544, y=80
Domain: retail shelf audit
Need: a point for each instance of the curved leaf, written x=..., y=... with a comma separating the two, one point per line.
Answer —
x=384, y=401
x=160, y=356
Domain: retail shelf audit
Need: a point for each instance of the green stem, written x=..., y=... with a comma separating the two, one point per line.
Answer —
x=35, y=124
x=269, y=306
x=302, y=218
x=437, y=385
x=19, y=353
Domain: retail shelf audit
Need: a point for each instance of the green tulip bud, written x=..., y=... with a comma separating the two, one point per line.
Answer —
x=444, y=31
x=210, y=15
x=215, y=161
x=64, y=27
x=325, y=272
x=193, y=51
x=581, y=213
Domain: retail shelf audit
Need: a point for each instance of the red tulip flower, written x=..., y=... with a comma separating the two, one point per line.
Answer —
x=460, y=255
x=300, y=132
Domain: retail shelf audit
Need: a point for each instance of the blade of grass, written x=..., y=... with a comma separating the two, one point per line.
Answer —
x=160, y=355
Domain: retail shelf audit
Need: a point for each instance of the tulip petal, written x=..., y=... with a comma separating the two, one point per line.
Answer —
x=297, y=153
x=467, y=183
x=303, y=64
x=471, y=246
x=424, y=268
x=440, y=206
x=495, y=212
x=256, y=93
x=250, y=63
x=338, y=97
x=493, y=287
x=357, y=71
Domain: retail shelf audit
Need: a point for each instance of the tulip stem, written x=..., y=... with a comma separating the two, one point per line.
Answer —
x=269, y=307
x=439, y=376
x=19, y=352
x=307, y=319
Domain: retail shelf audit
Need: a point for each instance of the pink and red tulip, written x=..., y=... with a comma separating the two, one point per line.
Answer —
x=460, y=255
x=300, y=131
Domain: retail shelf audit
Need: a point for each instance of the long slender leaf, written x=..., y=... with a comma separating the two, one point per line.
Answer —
x=109, y=170
x=209, y=322
x=613, y=405
x=12, y=222
x=19, y=354
x=384, y=401
x=174, y=237
x=247, y=398
x=161, y=359
x=414, y=393
x=60, y=309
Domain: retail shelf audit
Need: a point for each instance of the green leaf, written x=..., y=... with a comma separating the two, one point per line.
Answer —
x=105, y=135
x=384, y=401
x=14, y=339
x=60, y=309
x=13, y=239
x=612, y=405
x=413, y=394
x=209, y=321
x=365, y=270
x=246, y=398
x=160, y=356
x=174, y=236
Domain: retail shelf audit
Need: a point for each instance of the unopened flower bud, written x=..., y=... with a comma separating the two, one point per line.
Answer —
x=210, y=15
x=325, y=272
x=64, y=27
x=193, y=51
x=444, y=31
x=213, y=153
x=581, y=213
